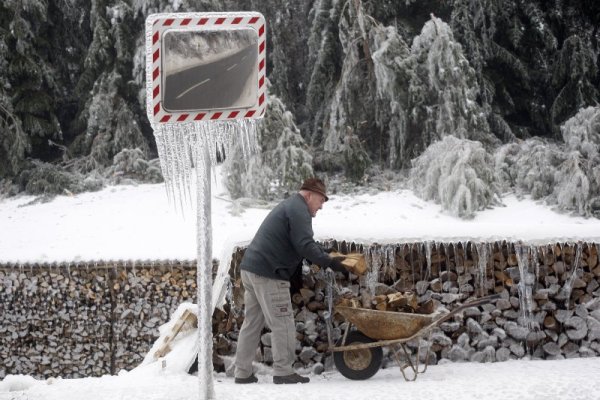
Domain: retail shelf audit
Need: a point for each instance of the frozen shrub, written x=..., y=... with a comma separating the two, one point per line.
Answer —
x=578, y=178
x=582, y=132
x=131, y=165
x=528, y=167
x=572, y=190
x=566, y=175
x=458, y=174
x=40, y=178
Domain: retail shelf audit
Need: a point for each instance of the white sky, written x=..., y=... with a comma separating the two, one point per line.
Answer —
x=128, y=222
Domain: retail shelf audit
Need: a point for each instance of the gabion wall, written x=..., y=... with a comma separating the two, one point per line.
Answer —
x=90, y=319
x=549, y=306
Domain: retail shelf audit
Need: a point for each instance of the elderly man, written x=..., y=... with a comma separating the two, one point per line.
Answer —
x=284, y=238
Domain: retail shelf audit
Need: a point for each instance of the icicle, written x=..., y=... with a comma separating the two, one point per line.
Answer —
x=482, y=254
x=447, y=255
x=536, y=264
x=524, y=287
x=568, y=287
x=428, y=246
x=391, y=255
x=178, y=146
x=328, y=314
x=544, y=251
x=372, y=276
x=412, y=263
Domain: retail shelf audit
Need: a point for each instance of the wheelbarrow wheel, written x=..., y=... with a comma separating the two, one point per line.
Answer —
x=358, y=364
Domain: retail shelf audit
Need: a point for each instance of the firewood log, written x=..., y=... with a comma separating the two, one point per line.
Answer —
x=354, y=262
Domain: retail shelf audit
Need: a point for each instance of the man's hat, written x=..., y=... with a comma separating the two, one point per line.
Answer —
x=315, y=185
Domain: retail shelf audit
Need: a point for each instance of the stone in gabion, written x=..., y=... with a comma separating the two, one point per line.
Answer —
x=581, y=311
x=500, y=333
x=449, y=327
x=440, y=339
x=502, y=354
x=515, y=331
x=571, y=350
x=491, y=341
x=474, y=327
x=586, y=352
x=563, y=315
x=307, y=354
x=517, y=349
x=579, y=326
x=551, y=348
x=593, y=328
x=458, y=354
x=463, y=340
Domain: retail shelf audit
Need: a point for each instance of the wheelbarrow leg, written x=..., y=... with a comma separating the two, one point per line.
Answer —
x=409, y=363
x=406, y=364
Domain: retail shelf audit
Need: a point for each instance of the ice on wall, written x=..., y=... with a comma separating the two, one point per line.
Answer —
x=458, y=174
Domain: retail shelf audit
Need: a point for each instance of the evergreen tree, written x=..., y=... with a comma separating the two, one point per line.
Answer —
x=442, y=93
x=107, y=120
x=28, y=112
x=323, y=67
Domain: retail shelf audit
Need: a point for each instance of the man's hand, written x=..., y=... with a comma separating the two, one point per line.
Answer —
x=336, y=264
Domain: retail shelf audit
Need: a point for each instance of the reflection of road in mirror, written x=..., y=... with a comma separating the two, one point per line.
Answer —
x=229, y=82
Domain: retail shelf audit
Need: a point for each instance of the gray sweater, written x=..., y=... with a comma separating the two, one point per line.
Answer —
x=284, y=238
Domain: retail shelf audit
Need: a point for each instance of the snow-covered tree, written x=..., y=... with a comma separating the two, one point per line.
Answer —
x=578, y=187
x=356, y=159
x=347, y=113
x=528, y=167
x=442, y=92
x=575, y=76
x=565, y=175
x=130, y=165
x=323, y=66
x=107, y=118
x=458, y=174
x=572, y=190
x=389, y=49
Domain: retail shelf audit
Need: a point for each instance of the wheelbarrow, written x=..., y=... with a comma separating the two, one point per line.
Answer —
x=358, y=354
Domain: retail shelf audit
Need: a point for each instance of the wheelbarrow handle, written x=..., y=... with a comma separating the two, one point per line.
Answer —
x=472, y=303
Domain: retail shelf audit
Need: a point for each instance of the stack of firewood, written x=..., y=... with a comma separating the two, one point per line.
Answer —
x=397, y=302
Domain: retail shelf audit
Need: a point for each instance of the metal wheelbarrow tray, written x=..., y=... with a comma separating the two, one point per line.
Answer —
x=358, y=354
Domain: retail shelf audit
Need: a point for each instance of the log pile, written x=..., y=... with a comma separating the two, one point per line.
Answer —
x=88, y=319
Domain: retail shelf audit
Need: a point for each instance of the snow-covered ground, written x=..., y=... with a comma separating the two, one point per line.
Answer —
x=137, y=222
x=511, y=380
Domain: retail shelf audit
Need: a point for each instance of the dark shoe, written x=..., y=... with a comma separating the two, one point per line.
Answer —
x=293, y=378
x=250, y=379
